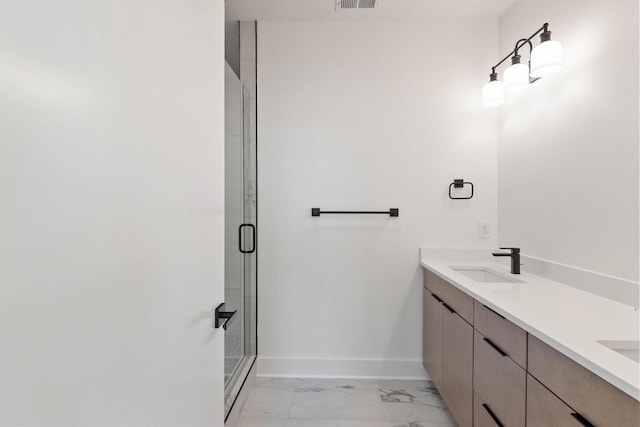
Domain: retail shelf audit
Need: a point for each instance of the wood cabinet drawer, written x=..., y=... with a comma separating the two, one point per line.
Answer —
x=500, y=383
x=483, y=415
x=599, y=402
x=457, y=367
x=544, y=409
x=508, y=337
x=460, y=302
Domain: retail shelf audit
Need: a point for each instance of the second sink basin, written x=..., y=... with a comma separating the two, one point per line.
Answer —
x=629, y=349
x=484, y=275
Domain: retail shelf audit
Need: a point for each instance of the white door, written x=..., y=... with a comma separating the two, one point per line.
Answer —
x=111, y=212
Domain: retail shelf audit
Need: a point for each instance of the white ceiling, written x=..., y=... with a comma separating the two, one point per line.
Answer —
x=388, y=10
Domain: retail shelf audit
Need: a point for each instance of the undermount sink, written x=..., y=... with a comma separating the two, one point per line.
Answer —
x=629, y=349
x=484, y=275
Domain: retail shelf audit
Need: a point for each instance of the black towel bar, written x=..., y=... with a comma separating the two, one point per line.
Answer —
x=391, y=212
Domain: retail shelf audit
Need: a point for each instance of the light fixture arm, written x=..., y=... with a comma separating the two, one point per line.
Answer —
x=518, y=46
x=544, y=28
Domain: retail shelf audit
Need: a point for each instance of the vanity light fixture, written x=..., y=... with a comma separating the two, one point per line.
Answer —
x=545, y=59
x=516, y=77
x=493, y=92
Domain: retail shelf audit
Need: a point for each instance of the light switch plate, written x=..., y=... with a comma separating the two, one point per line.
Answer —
x=484, y=229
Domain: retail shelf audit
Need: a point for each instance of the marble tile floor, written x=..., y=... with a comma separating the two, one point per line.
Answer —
x=304, y=402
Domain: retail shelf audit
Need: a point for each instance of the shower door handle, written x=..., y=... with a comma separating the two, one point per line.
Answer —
x=253, y=239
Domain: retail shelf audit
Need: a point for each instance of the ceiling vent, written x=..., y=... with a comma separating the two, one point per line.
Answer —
x=356, y=4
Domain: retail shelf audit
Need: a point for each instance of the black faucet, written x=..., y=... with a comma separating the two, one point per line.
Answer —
x=514, y=253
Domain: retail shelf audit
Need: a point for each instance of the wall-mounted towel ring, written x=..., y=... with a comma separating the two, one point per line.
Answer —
x=460, y=183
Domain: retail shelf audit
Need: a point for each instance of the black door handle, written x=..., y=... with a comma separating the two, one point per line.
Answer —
x=220, y=314
x=253, y=238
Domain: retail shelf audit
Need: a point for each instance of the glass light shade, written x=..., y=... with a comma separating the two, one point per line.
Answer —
x=493, y=94
x=516, y=78
x=546, y=59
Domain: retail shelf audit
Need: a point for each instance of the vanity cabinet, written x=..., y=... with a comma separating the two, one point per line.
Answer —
x=591, y=398
x=490, y=372
x=457, y=367
x=450, y=296
x=545, y=409
x=499, y=376
x=511, y=339
x=482, y=414
x=499, y=383
x=448, y=345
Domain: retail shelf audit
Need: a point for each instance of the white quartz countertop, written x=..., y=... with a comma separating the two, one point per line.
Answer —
x=568, y=319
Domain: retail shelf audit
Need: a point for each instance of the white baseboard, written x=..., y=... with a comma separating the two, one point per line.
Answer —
x=341, y=368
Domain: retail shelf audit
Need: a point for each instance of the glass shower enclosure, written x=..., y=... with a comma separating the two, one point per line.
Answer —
x=240, y=237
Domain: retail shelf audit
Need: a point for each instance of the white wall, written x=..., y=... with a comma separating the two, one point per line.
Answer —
x=232, y=41
x=568, y=146
x=111, y=212
x=364, y=116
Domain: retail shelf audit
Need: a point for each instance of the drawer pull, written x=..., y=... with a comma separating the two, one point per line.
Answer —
x=493, y=311
x=448, y=307
x=582, y=420
x=495, y=347
x=492, y=415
